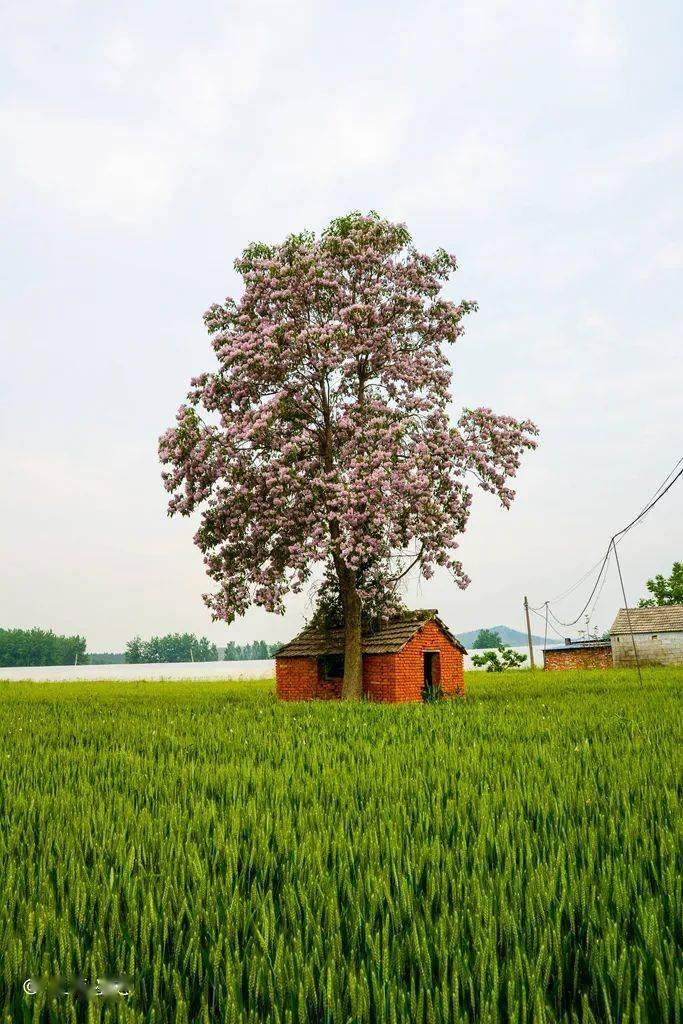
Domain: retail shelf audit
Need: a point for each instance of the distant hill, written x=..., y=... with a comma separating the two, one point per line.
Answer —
x=510, y=637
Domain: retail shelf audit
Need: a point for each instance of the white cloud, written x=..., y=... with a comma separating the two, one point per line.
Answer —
x=161, y=117
x=515, y=134
x=482, y=22
x=315, y=140
x=118, y=59
x=204, y=85
x=81, y=166
x=670, y=256
x=597, y=34
x=466, y=176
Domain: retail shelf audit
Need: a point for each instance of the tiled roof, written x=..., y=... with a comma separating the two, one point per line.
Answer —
x=666, y=619
x=389, y=639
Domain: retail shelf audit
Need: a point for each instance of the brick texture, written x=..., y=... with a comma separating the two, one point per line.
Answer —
x=557, y=660
x=296, y=678
x=386, y=677
x=409, y=672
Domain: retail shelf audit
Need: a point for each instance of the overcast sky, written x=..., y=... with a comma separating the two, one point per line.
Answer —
x=144, y=144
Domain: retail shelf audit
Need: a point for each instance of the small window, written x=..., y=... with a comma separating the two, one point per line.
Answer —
x=332, y=666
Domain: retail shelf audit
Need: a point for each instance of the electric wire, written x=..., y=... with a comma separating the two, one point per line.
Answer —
x=600, y=562
x=550, y=625
x=602, y=587
x=669, y=481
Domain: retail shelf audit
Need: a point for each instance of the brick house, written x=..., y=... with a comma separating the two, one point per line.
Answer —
x=578, y=654
x=398, y=659
x=658, y=633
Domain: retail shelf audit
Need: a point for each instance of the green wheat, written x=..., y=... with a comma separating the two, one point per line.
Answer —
x=513, y=857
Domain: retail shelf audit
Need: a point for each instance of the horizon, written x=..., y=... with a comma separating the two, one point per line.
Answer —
x=222, y=647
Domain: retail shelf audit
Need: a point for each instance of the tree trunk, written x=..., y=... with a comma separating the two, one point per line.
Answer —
x=352, y=687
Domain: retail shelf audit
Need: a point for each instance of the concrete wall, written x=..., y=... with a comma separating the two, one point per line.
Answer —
x=653, y=648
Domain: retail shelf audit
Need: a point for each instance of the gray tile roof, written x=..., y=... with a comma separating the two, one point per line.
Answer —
x=389, y=639
x=666, y=619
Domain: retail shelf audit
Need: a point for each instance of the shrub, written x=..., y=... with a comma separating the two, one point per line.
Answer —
x=498, y=661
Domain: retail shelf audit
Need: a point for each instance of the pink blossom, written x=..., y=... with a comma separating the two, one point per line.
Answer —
x=322, y=435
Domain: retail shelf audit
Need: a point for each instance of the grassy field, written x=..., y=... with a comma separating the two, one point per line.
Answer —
x=515, y=856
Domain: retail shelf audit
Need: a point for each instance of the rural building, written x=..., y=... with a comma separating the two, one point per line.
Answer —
x=658, y=633
x=398, y=659
x=578, y=654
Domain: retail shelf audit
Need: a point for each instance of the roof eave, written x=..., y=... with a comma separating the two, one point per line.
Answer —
x=338, y=648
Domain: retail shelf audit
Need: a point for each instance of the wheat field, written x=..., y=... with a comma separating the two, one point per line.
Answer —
x=511, y=857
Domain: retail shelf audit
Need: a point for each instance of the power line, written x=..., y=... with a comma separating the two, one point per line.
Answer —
x=653, y=500
x=628, y=614
x=669, y=481
x=652, y=503
x=550, y=625
x=590, y=596
x=666, y=478
x=566, y=593
x=602, y=587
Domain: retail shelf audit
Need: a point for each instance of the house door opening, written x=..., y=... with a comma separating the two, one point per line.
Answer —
x=432, y=668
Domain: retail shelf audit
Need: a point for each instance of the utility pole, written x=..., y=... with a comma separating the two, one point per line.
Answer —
x=628, y=614
x=528, y=633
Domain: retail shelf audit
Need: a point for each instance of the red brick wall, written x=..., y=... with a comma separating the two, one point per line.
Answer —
x=301, y=679
x=328, y=689
x=386, y=677
x=410, y=665
x=598, y=657
x=379, y=676
x=296, y=678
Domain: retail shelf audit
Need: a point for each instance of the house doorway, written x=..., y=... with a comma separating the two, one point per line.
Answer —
x=432, y=669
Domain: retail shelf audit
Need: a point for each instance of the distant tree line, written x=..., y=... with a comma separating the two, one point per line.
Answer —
x=25, y=647
x=34, y=647
x=259, y=650
x=170, y=648
x=106, y=658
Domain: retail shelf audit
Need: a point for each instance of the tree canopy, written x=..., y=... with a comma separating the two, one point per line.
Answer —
x=499, y=660
x=173, y=647
x=258, y=650
x=487, y=638
x=31, y=647
x=323, y=437
x=665, y=589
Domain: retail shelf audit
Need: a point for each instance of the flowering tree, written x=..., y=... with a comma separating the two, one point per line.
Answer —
x=323, y=435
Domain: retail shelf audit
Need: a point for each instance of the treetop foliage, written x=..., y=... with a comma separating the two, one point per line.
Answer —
x=173, y=647
x=665, y=590
x=487, y=638
x=258, y=650
x=323, y=434
x=499, y=660
x=33, y=647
